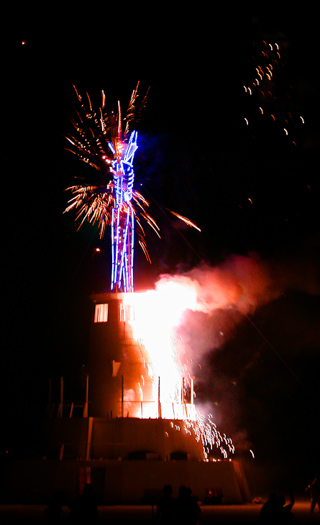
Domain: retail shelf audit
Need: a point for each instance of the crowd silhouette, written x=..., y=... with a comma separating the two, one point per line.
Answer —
x=84, y=509
x=54, y=510
x=275, y=510
x=184, y=509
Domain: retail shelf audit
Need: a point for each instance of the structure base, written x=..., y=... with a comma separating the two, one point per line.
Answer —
x=120, y=482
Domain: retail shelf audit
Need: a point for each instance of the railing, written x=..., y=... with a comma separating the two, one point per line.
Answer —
x=68, y=410
x=155, y=410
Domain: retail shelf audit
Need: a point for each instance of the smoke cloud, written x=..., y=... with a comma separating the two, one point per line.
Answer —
x=226, y=294
x=234, y=289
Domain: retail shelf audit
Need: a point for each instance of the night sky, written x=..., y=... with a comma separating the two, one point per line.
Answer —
x=251, y=190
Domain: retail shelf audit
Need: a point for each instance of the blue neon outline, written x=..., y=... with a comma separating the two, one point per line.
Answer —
x=123, y=180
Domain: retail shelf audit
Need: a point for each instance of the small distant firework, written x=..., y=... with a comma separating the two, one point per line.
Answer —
x=108, y=144
x=271, y=95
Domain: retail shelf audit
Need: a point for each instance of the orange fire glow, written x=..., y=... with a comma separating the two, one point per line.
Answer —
x=157, y=313
x=160, y=317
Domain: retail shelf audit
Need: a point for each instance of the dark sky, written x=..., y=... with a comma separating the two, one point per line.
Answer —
x=248, y=188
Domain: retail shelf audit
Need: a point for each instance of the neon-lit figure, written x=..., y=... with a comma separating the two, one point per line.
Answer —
x=122, y=218
x=108, y=144
x=109, y=198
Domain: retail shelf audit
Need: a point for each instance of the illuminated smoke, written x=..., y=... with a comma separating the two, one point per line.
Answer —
x=178, y=323
x=190, y=315
x=222, y=296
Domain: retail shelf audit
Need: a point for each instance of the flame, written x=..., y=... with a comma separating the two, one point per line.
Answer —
x=157, y=313
x=157, y=316
x=161, y=324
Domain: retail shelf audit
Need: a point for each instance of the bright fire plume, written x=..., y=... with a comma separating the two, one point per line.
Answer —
x=157, y=315
x=174, y=338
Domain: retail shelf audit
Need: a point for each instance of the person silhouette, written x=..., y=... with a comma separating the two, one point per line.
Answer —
x=268, y=509
x=314, y=489
x=166, y=507
x=188, y=509
x=275, y=510
x=53, y=512
x=84, y=509
x=284, y=511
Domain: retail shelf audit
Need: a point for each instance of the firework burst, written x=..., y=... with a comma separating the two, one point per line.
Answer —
x=107, y=142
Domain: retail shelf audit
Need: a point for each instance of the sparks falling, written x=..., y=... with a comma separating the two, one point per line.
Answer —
x=271, y=99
